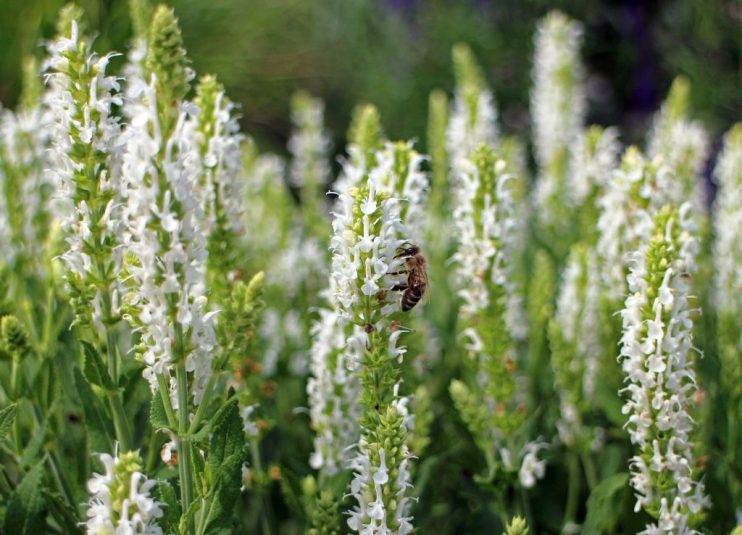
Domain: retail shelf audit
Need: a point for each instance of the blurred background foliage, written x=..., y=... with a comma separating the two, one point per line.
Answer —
x=393, y=52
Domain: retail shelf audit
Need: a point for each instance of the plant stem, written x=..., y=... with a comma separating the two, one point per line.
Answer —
x=184, y=445
x=590, y=473
x=265, y=517
x=573, y=489
x=120, y=422
x=163, y=386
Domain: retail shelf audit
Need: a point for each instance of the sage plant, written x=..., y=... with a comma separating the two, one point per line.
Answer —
x=490, y=402
x=657, y=360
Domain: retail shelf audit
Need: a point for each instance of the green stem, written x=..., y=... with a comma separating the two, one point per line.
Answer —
x=527, y=507
x=152, y=451
x=14, y=388
x=257, y=461
x=120, y=421
x=573, y=489
x=163, y=386
x=590, y=472
x=184, y=445
x=46, y=337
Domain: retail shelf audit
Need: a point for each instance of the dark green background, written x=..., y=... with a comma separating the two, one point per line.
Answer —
x=393, y=52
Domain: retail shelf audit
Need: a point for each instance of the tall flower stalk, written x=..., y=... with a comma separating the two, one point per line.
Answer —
x=727, y=298
x=490, y=401
x=657, y=360
x=367, y=244
x=167, y=235
x=557, y=111
x=310, y=171
x=86, y=164
x=25, y=191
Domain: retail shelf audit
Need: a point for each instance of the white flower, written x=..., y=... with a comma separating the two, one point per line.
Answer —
x=120, y=502
x=531, y=467
x=333, y=392
x=167, y=235
x=684, y=146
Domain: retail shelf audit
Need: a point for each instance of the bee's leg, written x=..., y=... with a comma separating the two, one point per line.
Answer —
x=399, y=287
x=400, y=272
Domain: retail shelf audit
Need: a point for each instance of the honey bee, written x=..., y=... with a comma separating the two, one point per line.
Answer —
x=417, y=277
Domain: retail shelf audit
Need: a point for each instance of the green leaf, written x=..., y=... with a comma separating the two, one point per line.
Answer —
x=63, y=513
x=604, y=507
x=32, y=449
x=100, y=431
x=157, y=414
x=165, y=494
x=7, y=415
x=26, y=513
x=227, y=453
x=224, y=494
x=94, y=369
x=186, y=521
x=228, y=437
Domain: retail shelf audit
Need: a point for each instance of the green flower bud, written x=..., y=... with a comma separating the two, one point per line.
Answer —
x=366, y=132
x=166, y=56
x=13, y=336
x=326, y=517
x=517, y=526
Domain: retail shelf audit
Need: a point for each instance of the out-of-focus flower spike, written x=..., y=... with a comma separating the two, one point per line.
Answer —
x=140, y=12
x=436, y=142
x=473, y=118
x=683, y=144
x=166, y=58
x=365, y=138
x=557, y=110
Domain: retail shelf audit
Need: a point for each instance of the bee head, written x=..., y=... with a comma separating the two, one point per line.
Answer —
x=412, y=250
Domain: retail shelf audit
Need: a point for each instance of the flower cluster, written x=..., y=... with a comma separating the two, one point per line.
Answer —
x=489, y=405
x=557, y=107
x=166, y=196
x=85, y=163
x=656, y=356
x=728, y=221
x=368, y=235
x=333, y=391
x=120, y=500
x=635, y=189
x=309, y=145
x=575, y=341
x=683, y=144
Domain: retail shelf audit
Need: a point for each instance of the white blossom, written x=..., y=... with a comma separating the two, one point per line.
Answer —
x=728, y=225
x=333, y=391
x=167, y=236
x=120, y=502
